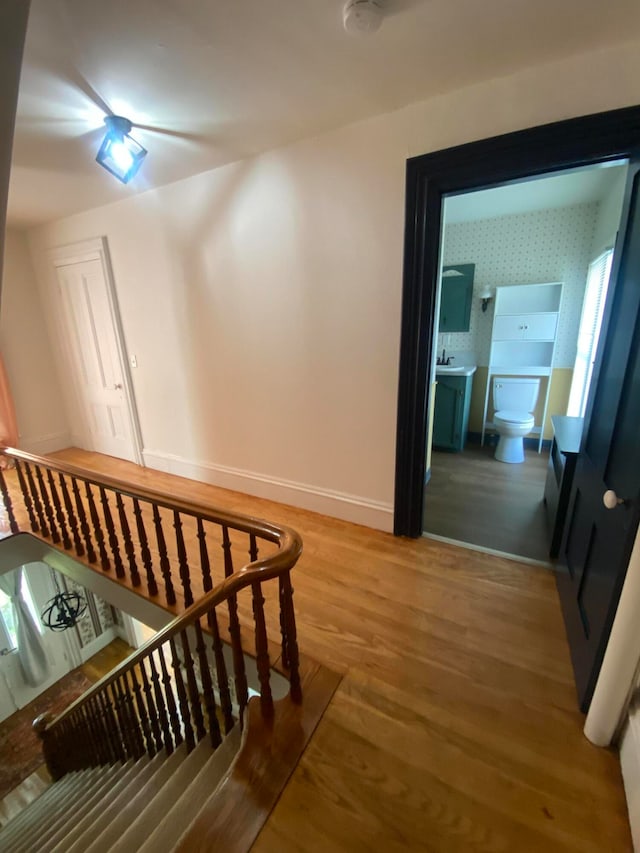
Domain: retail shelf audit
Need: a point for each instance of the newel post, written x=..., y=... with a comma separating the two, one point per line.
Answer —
x=52, y=759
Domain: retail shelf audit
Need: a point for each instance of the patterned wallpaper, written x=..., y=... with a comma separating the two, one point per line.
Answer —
x=528, y=248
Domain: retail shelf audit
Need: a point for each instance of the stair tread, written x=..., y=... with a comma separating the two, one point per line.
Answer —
x=138, y=803
x=193, y=798
x=80, y=807
x=27, y=814
x=164, y=800
x=127, y=773
x=40, y=819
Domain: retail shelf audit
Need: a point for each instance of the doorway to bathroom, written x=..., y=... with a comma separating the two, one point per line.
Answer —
x=522, y=284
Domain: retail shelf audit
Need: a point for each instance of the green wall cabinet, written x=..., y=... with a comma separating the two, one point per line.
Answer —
x=456, y=295
x=451, y=418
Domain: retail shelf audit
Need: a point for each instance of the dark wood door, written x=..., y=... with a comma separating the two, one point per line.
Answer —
x=597, y=541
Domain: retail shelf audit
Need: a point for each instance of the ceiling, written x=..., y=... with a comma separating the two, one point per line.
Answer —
x=215, y=81
x=577, y=186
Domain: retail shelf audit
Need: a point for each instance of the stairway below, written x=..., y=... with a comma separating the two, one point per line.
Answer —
x=143, y=805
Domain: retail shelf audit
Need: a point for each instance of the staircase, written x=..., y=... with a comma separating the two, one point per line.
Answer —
x=167, y=752
x=145, y=805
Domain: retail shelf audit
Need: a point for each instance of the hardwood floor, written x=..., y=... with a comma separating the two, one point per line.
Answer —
x=475, y=499
x=455, y=726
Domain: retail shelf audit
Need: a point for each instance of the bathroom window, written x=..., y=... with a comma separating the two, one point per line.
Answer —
x=590, y=324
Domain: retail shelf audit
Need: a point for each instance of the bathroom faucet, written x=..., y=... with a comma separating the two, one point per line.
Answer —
x=444, y=358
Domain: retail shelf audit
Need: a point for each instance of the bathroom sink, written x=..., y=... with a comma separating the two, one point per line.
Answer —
x=461, y=370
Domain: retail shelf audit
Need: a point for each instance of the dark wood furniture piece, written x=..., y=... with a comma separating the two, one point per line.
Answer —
x=565, y=447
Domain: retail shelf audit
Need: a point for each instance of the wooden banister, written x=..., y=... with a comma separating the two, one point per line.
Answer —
x=177, y=687
x=237, y=521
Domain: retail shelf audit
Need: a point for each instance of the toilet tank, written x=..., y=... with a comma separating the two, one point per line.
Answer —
x=516, y=394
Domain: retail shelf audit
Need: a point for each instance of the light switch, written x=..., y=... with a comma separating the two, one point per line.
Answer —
x=134, y=361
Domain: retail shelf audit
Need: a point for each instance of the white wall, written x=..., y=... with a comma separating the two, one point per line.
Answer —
x=28, y=355
x=262, y=300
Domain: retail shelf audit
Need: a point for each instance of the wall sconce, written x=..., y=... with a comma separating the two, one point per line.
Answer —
x=486, y=296
x=119, y=153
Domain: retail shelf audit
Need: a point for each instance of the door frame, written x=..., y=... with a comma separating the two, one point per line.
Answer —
x=511, y=158
x=97, y=249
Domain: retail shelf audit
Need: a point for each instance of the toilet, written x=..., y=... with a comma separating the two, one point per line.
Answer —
x=514, y=399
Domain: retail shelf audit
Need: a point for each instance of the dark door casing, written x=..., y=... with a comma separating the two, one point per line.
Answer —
x=515, y=157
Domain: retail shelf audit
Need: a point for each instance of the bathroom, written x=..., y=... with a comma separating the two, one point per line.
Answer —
x=546, y=238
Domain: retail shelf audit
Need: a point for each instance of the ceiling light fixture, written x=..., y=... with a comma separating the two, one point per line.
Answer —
x=119, y=153
x=361, y=17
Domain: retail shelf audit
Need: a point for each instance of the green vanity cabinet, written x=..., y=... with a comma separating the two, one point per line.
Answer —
x=451, y=417
x=456, y=295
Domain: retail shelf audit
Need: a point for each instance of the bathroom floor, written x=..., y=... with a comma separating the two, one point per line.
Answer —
x=475, y=499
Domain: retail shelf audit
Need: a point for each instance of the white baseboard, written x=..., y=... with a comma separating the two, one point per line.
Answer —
x=347, y=507
x=630, y=764
x=43, y=444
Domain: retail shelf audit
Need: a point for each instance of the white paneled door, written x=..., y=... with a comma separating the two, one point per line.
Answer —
x=95, y=357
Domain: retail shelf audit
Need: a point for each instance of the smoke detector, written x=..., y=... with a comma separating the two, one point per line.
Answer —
x=361, y=17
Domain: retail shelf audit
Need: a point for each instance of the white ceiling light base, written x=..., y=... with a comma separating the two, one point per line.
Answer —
x=361, y=17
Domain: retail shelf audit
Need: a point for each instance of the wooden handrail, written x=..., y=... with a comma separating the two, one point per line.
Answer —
x=245, y=523
x=262, y=570
x=153, y=699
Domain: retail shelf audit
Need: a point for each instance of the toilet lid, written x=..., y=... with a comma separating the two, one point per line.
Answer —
x=510, y=417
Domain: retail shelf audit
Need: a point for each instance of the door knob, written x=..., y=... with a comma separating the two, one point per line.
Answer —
x=611, y=500
x=117, y=386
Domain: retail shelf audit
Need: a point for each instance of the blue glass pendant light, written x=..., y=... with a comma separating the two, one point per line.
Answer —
x=119, y=153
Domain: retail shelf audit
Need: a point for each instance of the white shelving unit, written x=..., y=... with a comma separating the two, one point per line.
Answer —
x=523, y=339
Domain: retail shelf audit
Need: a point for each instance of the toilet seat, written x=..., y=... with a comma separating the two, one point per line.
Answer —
x=508, y=416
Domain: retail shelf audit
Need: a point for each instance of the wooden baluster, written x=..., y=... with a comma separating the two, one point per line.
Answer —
x=192, y=687
x=99, y=730
x=293, y=657
x=185, y=576
x=145, y=553
x=160, y=705
x=97, y=527
x=165, y=566
x=111, y=754
x=141, y=713
x=170, y=698
x=207, y=687
x=132, y=718
x=183, y=701
x=253, y=547
x=129, y=548
x=207, y=583
x=6, y=500
x=111, y=725
x=283, y=624
x=53, y=755
x=262, y=650
x=222, y=677
x=71, y=516
x=151, y=709
x=84, y=524
x=74, y=746
x=42, y=524
x=26, y=497
x=123, y=726
x=111, y=533
x=66, y=540
x=239, y=673
x=92, y=756
x=48, y=509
